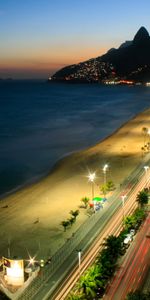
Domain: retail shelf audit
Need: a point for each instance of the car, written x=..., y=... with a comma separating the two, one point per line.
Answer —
x=129, y=236
x=132, y=232
x=128, y=239
x=126, y=242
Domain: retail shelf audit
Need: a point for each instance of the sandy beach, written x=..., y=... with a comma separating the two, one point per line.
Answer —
x=30, y=218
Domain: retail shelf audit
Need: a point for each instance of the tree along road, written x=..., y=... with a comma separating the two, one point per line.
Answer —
x=55, y=283
x=113, y=226
x=136, y=264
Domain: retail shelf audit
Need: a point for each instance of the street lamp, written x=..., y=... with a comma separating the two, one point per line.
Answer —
x=91, y=179
x=79, y=260
x=8, y=247
x=148, y=134
x=122, y=198
x=31, y=261
x=146, y=169
x=104, y=171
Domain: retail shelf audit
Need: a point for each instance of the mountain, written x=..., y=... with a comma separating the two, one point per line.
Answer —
x=131, y=61
x=142, y=36
x=125, y=44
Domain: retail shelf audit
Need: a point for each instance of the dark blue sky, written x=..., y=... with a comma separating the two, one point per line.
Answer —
x=39, y=36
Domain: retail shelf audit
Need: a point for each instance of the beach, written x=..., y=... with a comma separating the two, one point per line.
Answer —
x=30, y=218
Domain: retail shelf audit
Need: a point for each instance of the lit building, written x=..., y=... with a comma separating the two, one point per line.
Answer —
x=13, y=271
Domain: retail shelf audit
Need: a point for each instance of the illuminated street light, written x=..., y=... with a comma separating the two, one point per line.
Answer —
x=91, y=178
x=31, y=261
x=104, y=171
x=146, y=169
x=122, y=198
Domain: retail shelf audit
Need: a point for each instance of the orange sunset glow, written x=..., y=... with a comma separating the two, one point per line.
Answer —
x=37, y=39
x=45, y=61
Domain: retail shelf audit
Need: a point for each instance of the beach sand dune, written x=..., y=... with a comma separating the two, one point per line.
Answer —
x=30, y=218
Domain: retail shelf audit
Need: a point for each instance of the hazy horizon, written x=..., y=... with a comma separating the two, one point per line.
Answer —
x=40, y=37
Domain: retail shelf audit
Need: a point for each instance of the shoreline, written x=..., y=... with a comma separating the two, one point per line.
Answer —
x=37, y=179
x=50, y=199
x=57, y=164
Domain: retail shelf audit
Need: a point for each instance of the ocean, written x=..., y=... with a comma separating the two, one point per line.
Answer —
x=42, y=122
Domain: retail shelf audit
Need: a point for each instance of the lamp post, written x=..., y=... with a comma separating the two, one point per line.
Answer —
x=32, y=261
x=122, y=198
x=79, y=260
x=148, y=135
x=91, y=179
x=8, y=247
x=104, y=171
x=146, y=169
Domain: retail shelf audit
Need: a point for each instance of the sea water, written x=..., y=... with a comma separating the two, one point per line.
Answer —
x=42, y=122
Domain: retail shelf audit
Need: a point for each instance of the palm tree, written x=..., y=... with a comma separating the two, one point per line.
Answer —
x=142, y=198
x=110, y=185
x=134, y=220
x=143, y=151
x=85, y=200
x=107, y=263
x=87, y=287
x=145, y=132
x=130, y=222
x=75, y=297
x=89, y=282
x=95, y=271
x=74, y=213
x=65, y=224
x=104, y=189
x=140, y=215
x=71, y=220
x=148, y=146
x=109, y=255
x=113, y=245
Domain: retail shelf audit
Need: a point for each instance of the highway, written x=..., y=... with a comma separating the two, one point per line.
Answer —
x=136, y=264
x=114, y=226
x=57, y=283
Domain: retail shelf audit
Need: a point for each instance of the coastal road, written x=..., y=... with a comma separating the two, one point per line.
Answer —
x=131, y=274
x=58, y=285
x=113, y=226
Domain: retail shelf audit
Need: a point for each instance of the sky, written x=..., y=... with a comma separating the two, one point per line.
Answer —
x=38, y=37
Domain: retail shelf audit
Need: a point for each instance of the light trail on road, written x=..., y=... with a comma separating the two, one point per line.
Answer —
x=131, y=274
x=114, y=226
x=64, y=266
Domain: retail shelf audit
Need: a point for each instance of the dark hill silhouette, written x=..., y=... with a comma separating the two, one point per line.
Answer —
x=131, y=60
x=128, y=59
x=141, y=36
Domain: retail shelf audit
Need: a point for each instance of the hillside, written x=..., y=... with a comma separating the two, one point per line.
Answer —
x=131, y=61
